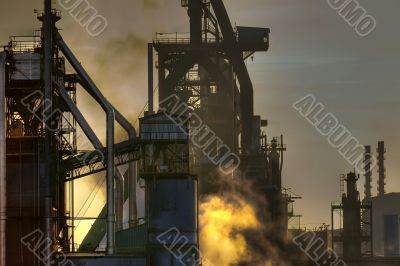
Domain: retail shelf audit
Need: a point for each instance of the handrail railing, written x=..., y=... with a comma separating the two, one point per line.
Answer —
x=178, y=38
x=19, y=44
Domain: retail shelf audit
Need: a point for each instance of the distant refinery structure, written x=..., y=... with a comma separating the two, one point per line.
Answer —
x=368, y=231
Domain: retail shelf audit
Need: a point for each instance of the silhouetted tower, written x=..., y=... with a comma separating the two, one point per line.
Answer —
x=356, y=234
x=381, y=168
x=366, y=214
x=274, y=157
x=351, y=219
x=367, y=173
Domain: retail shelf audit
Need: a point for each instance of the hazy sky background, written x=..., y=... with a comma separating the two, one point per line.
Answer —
x=312, y=51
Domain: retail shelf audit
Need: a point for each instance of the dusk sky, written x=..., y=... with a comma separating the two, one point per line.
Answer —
x=313, y=50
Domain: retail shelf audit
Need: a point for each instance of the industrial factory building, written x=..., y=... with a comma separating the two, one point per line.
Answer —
x=199, y=140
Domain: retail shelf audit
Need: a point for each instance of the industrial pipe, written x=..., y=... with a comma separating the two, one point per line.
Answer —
x=132, y=179
x=195, y=12
x=246, y=85
x=150, y=86
x=3, y=188
x=48, y=89
x=132, y=169
x=119, y=199
x=110, y=138
x=126, y=125
x=119, y=192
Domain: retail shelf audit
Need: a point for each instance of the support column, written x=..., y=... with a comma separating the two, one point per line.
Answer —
x=3, y=188
x=48, y=182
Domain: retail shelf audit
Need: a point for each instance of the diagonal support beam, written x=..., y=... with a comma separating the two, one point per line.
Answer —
x=110, y=114
x=80, y=118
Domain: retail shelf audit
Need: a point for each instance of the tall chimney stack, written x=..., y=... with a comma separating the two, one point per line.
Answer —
x=367, y=173
x=381, y=168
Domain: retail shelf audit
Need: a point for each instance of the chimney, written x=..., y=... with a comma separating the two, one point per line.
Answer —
x=381, y=168
x=367, y=173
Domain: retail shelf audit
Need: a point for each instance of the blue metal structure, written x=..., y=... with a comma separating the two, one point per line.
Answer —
x=171, y=192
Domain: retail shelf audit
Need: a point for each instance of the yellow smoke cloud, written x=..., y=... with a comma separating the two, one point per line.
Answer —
x=221, y=223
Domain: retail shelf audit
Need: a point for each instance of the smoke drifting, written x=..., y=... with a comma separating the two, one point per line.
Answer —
x=123, y=57
x=222, y=221
x=151, y=4
x=233, y=231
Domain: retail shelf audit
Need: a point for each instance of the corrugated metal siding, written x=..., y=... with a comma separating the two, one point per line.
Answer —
x=163, y=132
x=163, y=127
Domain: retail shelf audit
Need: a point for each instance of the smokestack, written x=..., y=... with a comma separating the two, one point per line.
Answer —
x=381, y=168
x=150, y=79
x=367, y=173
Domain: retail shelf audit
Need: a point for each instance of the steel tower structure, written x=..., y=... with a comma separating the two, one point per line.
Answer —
x=356, y=230
x=41, y=158
x=206, y=70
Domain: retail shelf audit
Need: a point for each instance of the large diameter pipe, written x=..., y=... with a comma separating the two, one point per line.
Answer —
x=126, y=125
x=109, y=142
x=246, y=85
x=3, y=188
x=119, y=178
x=150, y=78
x=119, y=199
x=195, y=12
x=367, y=174
x=132, y=169
x=48, y=73
x=133, y=217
